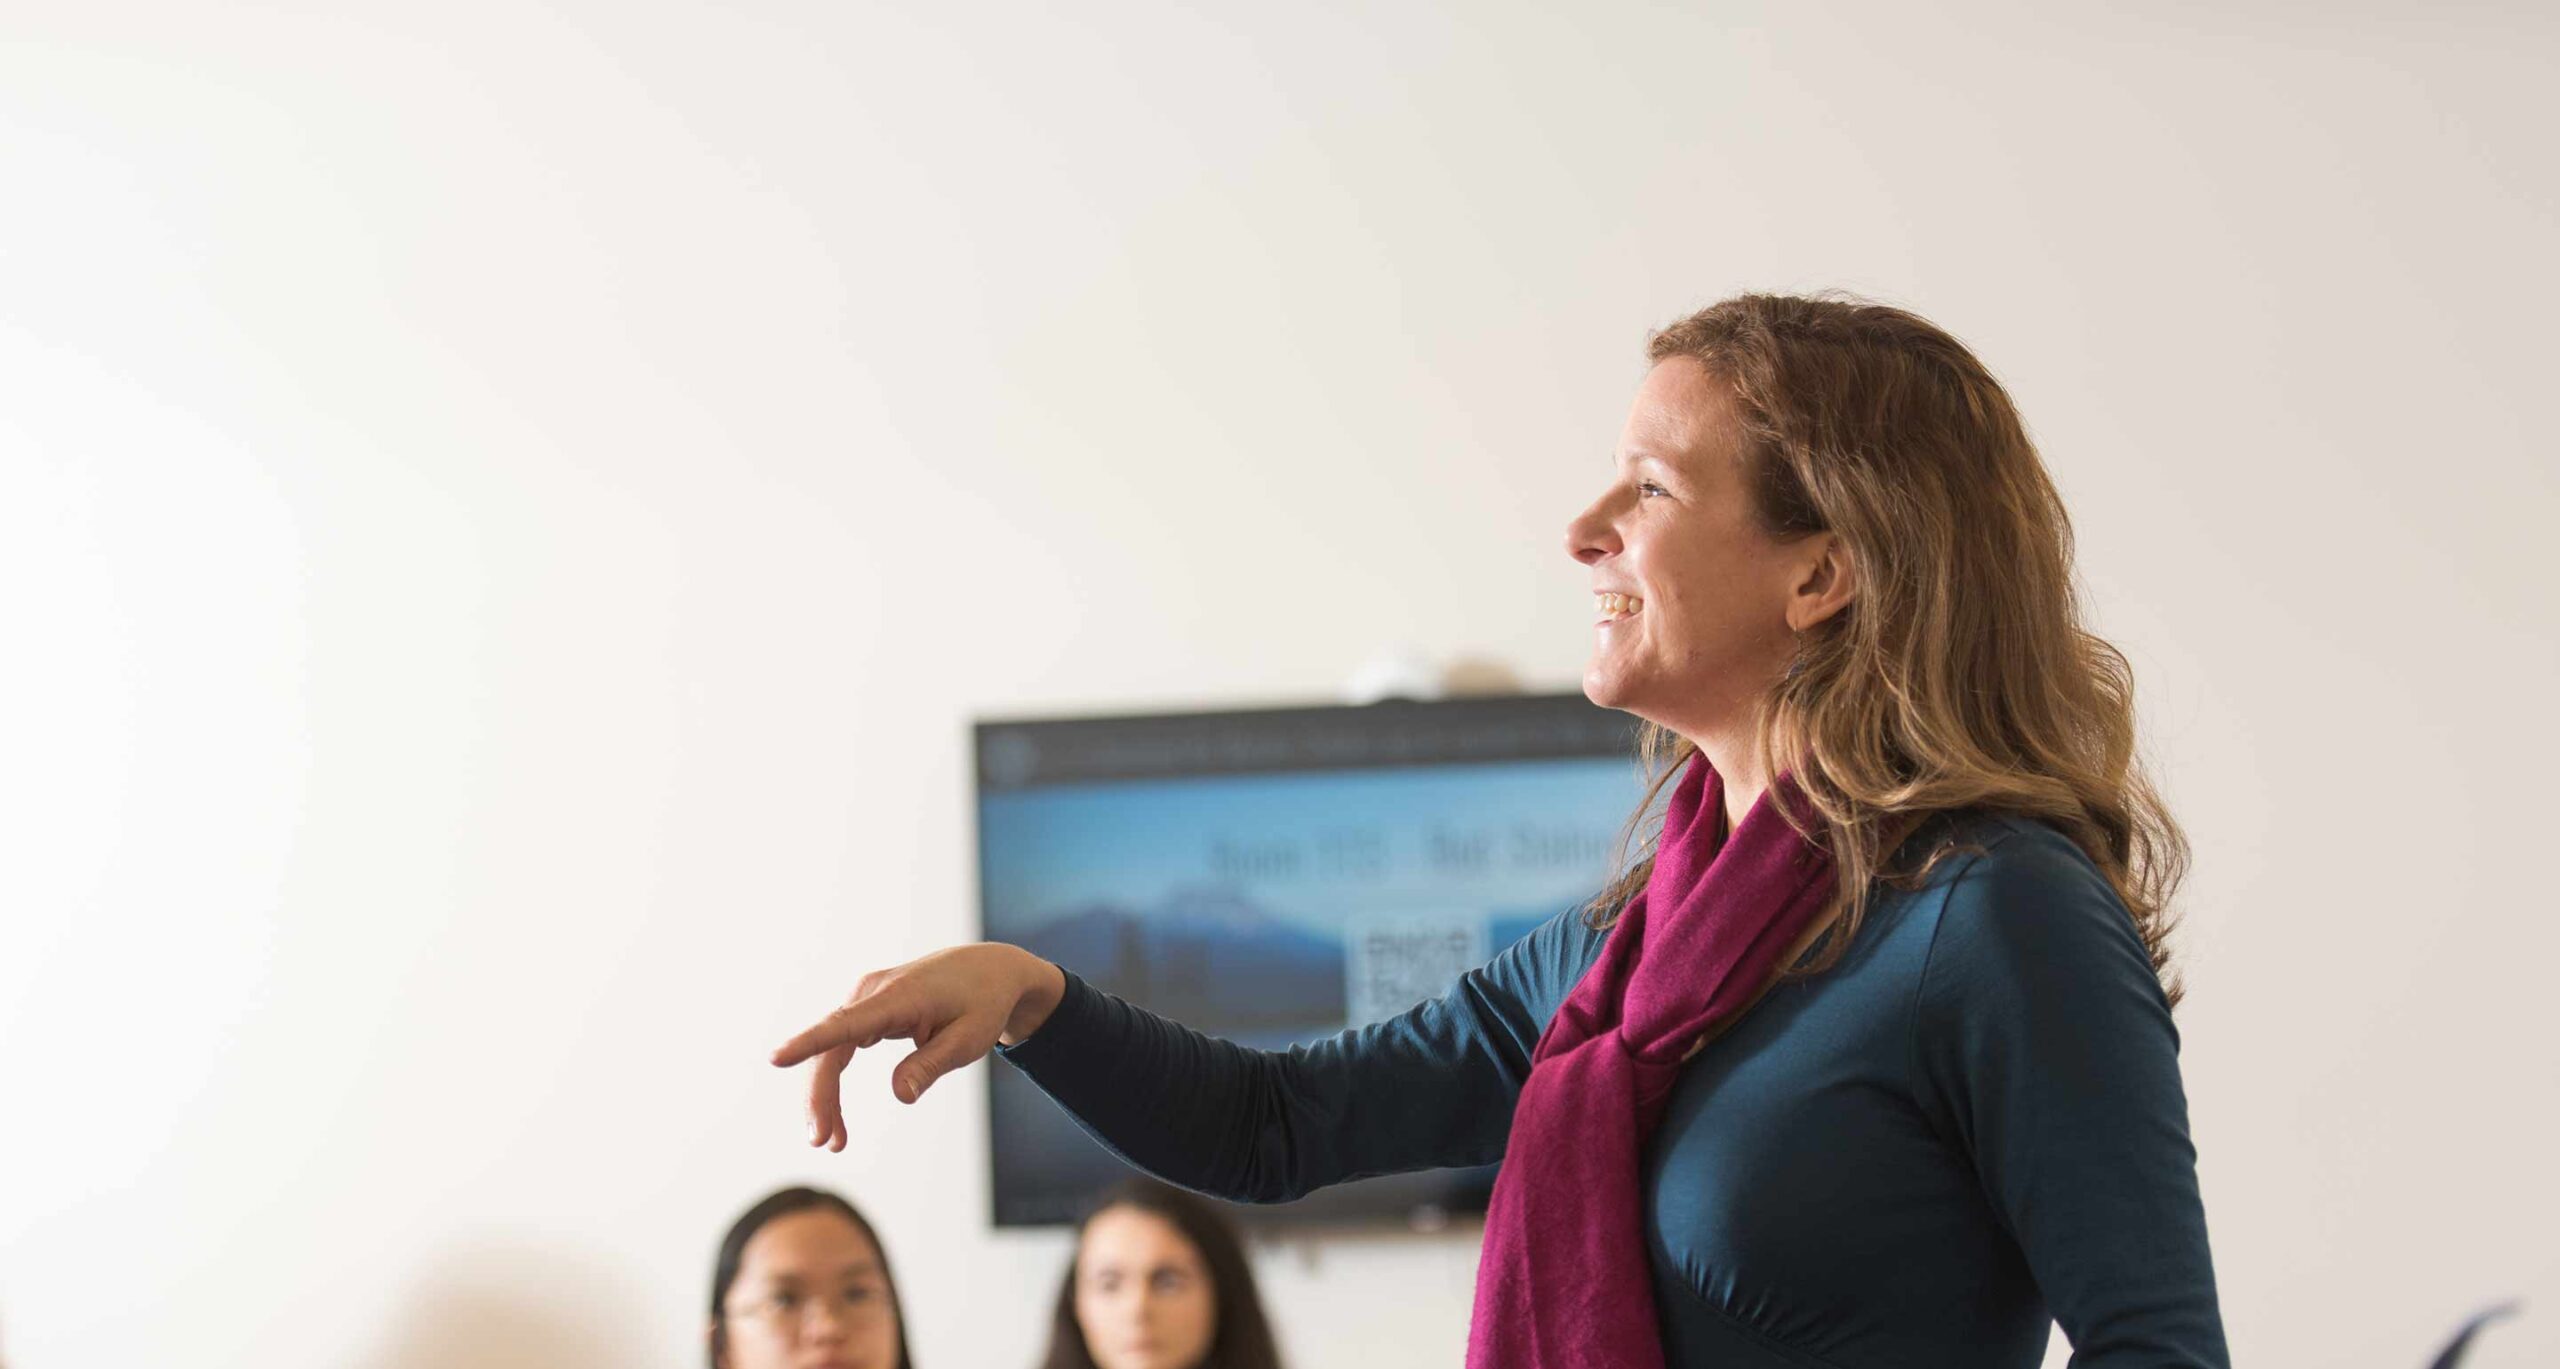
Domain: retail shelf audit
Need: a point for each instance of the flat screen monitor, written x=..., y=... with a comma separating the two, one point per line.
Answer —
x=1276, y=876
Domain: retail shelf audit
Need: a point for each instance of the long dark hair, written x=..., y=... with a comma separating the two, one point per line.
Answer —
x=1243, y=1337
x=733, y=1250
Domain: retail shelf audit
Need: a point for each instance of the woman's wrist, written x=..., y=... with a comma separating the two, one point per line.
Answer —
x=1044, y=987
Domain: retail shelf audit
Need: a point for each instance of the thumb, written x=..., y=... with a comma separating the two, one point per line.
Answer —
x=958, y=1043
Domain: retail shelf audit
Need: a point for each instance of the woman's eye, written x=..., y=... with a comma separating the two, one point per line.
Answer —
x=786, y=1302
x=860, y=1293
x=1646, y=489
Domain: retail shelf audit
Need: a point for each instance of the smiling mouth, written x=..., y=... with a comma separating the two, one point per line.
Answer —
x=1616, y=607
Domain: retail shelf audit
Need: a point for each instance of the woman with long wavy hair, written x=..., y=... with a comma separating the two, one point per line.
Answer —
x=1866, y=1059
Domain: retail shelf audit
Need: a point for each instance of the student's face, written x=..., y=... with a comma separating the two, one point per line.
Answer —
x=1144, y=1299
x=811, y=1294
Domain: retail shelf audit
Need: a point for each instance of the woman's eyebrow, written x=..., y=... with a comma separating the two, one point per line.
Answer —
x=862, y=1264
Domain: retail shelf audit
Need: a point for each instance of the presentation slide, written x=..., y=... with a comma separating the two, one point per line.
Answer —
x=1275, y=909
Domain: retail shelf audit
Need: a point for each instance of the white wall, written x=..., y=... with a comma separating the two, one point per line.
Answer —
x=509, y=507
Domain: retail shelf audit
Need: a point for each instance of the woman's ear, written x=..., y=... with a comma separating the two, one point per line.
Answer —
x=1827, y=584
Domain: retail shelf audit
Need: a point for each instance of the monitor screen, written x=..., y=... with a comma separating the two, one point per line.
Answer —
x=1274, y=877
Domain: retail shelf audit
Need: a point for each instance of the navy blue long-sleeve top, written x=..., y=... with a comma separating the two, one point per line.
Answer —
x=1971, y=1128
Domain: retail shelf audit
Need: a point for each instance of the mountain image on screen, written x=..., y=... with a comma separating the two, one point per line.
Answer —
x=1204, y=955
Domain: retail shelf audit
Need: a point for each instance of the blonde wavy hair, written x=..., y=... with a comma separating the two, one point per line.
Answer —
x=1961, y=675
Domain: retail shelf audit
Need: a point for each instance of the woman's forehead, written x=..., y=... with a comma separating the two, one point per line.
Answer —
x=1131, y=1233
x=817, y=1243
x=1682, y=415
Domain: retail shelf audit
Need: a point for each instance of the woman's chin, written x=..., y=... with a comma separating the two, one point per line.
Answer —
x=1611, y=692
x=1606, y=689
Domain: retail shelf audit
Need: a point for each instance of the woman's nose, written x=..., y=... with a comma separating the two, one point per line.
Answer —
x=826, y=1326
x=1589, y=537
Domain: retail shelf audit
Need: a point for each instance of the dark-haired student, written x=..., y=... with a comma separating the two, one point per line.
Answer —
x=1159, y=1281
x=802, y=1280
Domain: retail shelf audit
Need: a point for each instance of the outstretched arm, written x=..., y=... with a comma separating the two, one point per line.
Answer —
x=1431, y=1088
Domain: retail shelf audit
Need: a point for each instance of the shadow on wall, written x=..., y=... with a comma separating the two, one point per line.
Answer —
x=510, y=1307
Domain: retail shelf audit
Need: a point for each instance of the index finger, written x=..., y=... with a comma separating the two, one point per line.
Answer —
x=858, y=1024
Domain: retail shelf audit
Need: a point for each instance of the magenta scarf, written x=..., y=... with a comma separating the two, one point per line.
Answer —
x=1565, y=1278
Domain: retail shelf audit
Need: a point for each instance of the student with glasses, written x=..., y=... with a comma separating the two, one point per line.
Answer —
x=800, y=1280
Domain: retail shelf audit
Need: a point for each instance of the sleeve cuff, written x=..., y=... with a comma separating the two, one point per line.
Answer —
x=1072, y=1021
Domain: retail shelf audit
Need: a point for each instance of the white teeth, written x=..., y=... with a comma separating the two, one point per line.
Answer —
x=1613, y=605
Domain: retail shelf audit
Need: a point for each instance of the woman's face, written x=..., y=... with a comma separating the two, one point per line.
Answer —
x=811, y=1294
x=1144, y=1299
x=1690, y=595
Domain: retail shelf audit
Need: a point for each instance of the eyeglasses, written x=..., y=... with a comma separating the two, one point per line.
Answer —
x=789, y=1309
